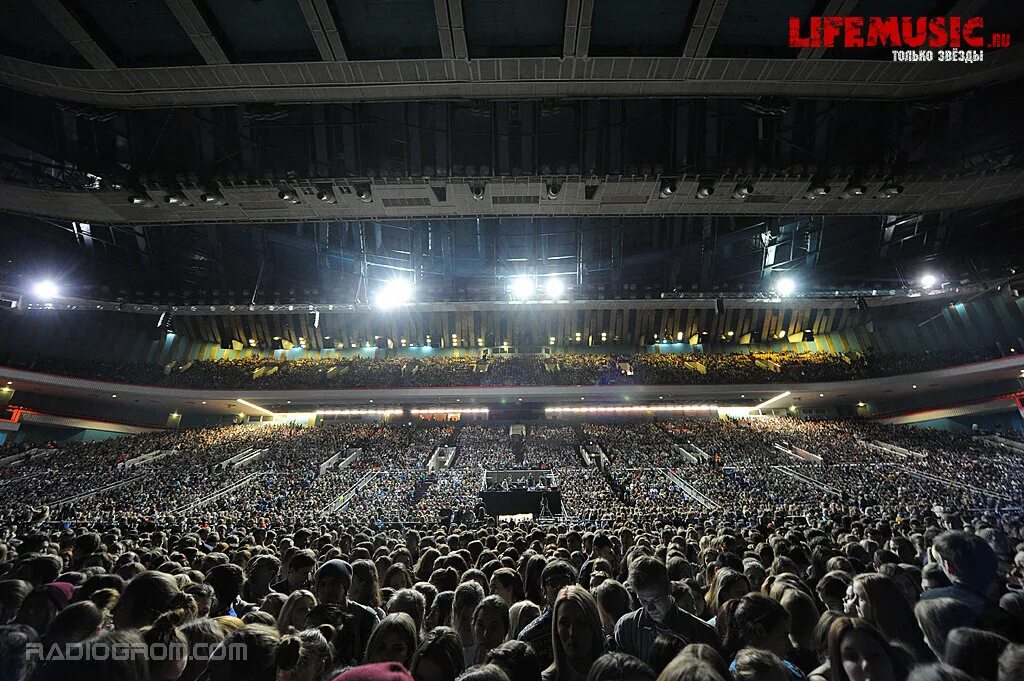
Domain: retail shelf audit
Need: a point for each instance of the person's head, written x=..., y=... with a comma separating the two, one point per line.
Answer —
x=92, y=660
x=859, y=652
x=331, y=582
x=226, y=580
x=42, y=605
x=467, y=596
x=702, y=653
x=517, y=659
x=299, y=570
x=165, y=633
x=262, y=569
x=439, y=656
x=933, y=577
x=685, y=668
x=12, y=593
x=755, y=664
x=754, y=621
x=295, y=610
x=411, y=602
x=803, y=616
x=612, y=602
x=663, y=650
x=440, y=612
x=519, y=615
x=490, y=622
x=204, y=634
x=966, y=559
x=394, y=639
x=939, y=616
x=1011, y=663
x=649, y=579
x=728, y=584
x=76, y=623
x=484, y=672
x=620, y=667
x=259, y=662
x=147, y=596
x=305, y=656
x=879, y=600
x=831, y=589
x=975, y=651
x=577, y=635
x=365, y=587
x=557, y=575
x=506, y=583
x=203, y=595
x=381, y=671
x=15, y=662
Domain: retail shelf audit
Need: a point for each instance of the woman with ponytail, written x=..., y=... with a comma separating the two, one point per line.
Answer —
x=305, y=656
x=147, y=596
x=168, y=647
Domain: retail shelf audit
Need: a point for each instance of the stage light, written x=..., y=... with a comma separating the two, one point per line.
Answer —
x=288, y=195
x=667, y=188
x=889, y=190
x=326, y=196
x=522, y=287
x=743, y=191
x=786, y=286
x=177, y=199
x=214, y=198
x=705, y=190
x=928, y=280
x=395, y=292
x=46, y=290
x=853, y=190
x=554, y=289
x=478, y=191
x=817, y=191
x=554, y=189
x=364, y=194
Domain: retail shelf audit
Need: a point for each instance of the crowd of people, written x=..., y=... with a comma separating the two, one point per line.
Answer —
x=767, y=548
x=260, y=372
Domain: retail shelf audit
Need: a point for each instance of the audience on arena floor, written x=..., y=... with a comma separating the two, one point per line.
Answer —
x=698, y=550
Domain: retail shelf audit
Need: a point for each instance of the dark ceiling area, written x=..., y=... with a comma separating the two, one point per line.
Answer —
x=218, y=150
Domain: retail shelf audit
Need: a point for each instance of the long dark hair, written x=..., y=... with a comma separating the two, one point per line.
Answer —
x=845, y=625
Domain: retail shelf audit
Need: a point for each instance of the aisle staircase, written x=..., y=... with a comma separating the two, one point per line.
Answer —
x=690, y=490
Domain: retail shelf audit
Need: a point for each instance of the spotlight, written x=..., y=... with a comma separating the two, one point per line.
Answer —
x=853, y=190
x=743, y=191
x=928, y=280
x=363, y=193
x=477, y=191
x=141, y=200
x=705, y=191
x=889, y=190
x=288, y=195
x=668, y=188
x=214, y=198
x=522, y=287
x=817, y=191
x=326, y=196
x=396, y=292
x=177, y=199
x=46, y=290
x=785, y=286
x=554, y=189
x=554, y=289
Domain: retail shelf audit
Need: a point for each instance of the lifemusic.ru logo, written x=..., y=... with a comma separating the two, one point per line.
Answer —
x=916, y=39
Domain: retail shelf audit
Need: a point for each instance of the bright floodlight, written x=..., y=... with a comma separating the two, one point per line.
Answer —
x=928, y=280
x=522, y=287
x=395, y=292
x=46, y=290
x=554, y=289
x=786, y=286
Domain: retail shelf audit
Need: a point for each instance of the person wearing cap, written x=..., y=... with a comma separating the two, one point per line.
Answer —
x=382, y=671
x=330, y=585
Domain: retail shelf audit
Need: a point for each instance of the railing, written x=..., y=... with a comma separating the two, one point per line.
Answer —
x=690, y=490
x=221, y=492
x=806, y=480
x=953, y=483
x=94, y=492
x=344, y=498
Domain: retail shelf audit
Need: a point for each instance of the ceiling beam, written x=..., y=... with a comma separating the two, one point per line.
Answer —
x=199, y=32
x=444, y=29
x=507, y=78
x=458, y=29
x=324, y=29
x=705, y=26
x=65, y=22
x=834, y=8
x=576, y=40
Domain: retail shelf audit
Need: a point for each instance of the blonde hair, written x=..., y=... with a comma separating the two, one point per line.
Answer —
x=293, y=601
x=582, y=598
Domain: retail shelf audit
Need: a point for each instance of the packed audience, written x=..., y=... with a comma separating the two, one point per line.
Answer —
x=867, y=565
x=389, y=371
